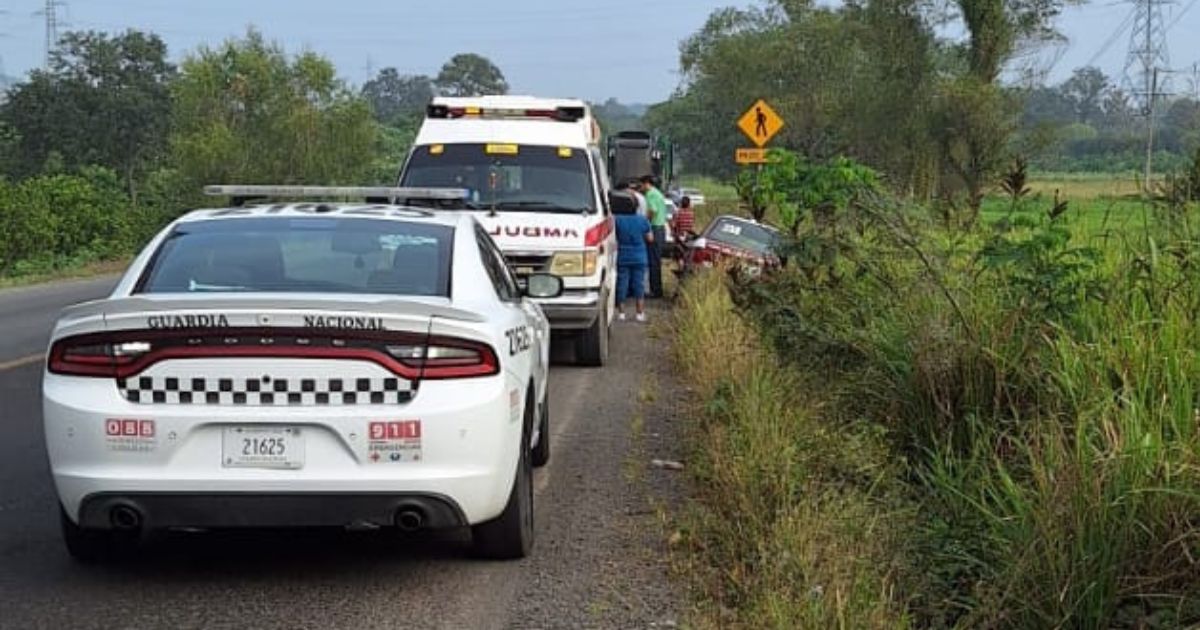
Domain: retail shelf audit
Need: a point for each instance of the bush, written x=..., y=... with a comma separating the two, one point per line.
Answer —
x=56, y=220
x=1034, y=384
x=29, y=227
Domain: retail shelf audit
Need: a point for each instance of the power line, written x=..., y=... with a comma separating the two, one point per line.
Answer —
x=1181, y=14
x=1113, y=38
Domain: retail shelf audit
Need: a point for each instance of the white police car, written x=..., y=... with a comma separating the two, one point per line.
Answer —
x=313, y=364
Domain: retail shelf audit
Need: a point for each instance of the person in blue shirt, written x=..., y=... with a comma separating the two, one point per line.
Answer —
x=633, y=235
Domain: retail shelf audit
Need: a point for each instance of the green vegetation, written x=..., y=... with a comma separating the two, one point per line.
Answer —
x=1087, y=124
x=968, y=399
x=800, y=523
x=111, y=142
x=874, y=81
x=983, y=426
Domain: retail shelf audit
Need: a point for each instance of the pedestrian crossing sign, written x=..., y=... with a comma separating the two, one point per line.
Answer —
x=760, y=123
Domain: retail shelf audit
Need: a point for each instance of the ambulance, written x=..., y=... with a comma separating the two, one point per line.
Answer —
x=536, y=178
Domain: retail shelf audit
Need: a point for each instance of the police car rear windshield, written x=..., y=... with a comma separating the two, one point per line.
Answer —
x=303, y=255
x=507, y=177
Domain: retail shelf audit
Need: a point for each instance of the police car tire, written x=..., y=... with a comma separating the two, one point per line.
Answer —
x=541, y=452
x=592, y=348
x=510, y=535
x=93, y=546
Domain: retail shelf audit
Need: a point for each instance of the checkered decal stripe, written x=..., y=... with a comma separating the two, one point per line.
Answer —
x=265, y=392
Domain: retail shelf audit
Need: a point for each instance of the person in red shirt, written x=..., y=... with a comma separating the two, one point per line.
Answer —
x=683, y=226
x=684, y=223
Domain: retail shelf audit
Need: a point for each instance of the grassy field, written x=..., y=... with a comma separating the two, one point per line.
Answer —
x=992, y=427
x=1099, y=203
x=1087, y=186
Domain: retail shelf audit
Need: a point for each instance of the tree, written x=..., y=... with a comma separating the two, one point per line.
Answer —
x=975, y=115
x=1086, y=90
x=104, y=100
x=468, y=74
x=395, y=98
x=247, y=113
x=614, y=116
x=855, y=80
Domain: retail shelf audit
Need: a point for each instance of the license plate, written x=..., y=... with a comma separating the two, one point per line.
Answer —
x=262, y=447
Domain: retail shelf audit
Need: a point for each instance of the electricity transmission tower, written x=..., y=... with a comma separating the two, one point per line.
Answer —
x=1146, y=79
x=53, y=22
x=369, y=68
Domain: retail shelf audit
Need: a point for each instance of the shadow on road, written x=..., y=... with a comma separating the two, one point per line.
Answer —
x=268, y=552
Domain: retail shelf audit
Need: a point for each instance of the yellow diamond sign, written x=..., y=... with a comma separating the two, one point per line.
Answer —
x=760, y=123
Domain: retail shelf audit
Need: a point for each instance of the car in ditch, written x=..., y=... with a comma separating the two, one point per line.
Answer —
x=735, y=240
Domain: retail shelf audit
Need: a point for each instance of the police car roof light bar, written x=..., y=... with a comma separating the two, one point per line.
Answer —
x=373, y=194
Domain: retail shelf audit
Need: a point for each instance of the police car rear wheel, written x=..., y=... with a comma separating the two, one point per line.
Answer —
x=92, y=546
x=510, y=536
x=541, y=452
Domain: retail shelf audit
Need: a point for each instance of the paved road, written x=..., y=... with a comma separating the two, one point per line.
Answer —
x=598, y=561
x=27, y=313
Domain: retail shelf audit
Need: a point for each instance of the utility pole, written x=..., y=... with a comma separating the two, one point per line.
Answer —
x=1150, y=135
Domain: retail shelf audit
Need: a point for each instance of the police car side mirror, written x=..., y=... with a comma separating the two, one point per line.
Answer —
x=543, y=286
x=621, y=202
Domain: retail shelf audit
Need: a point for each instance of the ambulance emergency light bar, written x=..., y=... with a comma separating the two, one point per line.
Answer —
x=372, y=194
x=561, y=114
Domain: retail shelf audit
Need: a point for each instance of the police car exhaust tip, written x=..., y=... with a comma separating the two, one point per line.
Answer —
x=125, y=518
x=410, y=519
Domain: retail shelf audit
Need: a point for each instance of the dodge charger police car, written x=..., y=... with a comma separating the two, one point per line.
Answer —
x=313, y=364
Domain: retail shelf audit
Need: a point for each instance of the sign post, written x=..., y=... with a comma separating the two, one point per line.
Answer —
x=760, y=124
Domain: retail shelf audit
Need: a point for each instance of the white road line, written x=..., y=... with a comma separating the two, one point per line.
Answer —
x=22, y=362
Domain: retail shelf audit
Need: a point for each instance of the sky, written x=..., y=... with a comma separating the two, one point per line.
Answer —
x=588, y=49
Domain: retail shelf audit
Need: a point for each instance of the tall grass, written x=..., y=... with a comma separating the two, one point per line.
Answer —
x=796, y=525
x=1029, y=388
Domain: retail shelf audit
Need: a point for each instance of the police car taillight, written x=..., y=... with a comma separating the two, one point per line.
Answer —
x=89, y=358
x=446, y=358
x=413, y=356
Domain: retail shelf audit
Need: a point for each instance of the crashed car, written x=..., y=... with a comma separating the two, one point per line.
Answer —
x=735, y=240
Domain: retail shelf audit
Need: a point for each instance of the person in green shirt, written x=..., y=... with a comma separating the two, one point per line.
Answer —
x=656, y=212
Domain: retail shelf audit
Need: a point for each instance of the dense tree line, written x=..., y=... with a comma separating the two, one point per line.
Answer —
x=111, y=140
x=1087, y=123
x=873, y=79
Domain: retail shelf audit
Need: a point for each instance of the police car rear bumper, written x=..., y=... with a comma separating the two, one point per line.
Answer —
x=239, y=510
x=574, y=310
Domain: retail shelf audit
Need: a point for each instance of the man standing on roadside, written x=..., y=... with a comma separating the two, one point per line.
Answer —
x=656, y=209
